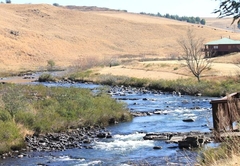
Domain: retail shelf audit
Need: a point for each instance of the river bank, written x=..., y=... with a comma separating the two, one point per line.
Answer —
x=40, y=110
x=123, y=94
x=169, y=106
x=50, y=142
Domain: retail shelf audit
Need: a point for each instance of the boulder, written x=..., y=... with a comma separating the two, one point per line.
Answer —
x=102, y=135
x=155, y=136
x=157, y=147
x=157, y=112
x=191, y=142
x=188, y=120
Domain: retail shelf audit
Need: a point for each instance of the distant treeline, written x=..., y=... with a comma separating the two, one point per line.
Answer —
x=194, y=20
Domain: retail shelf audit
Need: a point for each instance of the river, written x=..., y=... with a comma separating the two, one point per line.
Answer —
x=127, y=146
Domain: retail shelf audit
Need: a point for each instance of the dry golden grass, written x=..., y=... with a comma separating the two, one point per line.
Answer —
x=173, y=69
x=223, y=23
x=234, y=161
x=47, y=32
x=142, y=73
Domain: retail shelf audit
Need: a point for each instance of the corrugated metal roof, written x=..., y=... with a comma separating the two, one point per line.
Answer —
x=224, y=99
x=223, y=41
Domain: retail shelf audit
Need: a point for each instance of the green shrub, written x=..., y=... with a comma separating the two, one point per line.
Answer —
x=46, y=77
x=43, y=109
x=50, y=65
x=109, y=79
x=61, y=108
x=10, y=137
x=122, y=80
x=80, y=76
x=14, y=99
x=5, y=116
x=48, y=121
x=25, y=118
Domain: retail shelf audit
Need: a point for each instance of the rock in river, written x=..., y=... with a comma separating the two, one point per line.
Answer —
x=188, y=120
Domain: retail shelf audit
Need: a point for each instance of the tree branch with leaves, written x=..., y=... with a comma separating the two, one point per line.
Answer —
x=193, y=54
x=229, y=8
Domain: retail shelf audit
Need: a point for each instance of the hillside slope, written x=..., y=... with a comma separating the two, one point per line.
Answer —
x=223, y=23
x=30, y=35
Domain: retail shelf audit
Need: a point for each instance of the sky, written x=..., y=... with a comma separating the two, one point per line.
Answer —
x=201, y=8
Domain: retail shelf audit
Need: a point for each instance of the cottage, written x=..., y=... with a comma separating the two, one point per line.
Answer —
x=222, y=47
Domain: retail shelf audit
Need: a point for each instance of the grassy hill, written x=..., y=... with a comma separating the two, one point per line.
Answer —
x=30, y=35
x=223, y=23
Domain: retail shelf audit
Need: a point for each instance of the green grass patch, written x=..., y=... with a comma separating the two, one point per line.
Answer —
x=122, y=80
x=80, y=76
x=52, y=109
x=213, y=88
x=10, y=135
x=46, y=77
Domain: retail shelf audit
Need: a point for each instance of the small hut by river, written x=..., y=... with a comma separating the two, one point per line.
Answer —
x=225, y=112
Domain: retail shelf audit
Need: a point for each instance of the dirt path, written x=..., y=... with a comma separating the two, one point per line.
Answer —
x=19, y=80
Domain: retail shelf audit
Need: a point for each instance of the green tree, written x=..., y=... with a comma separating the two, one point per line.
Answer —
x=167, y=15
x=177, y=17
x=192, y=20
x=173, y=17
x=203, y=21
x=56, y=4
x=184, y=18
x=198, y=19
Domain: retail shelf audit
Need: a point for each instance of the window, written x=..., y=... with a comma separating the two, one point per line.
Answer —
x=215, y=47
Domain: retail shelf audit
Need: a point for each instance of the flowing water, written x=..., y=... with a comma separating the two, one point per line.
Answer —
x=127, y=146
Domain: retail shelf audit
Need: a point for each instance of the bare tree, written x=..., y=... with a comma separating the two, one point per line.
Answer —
x=193, y=54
